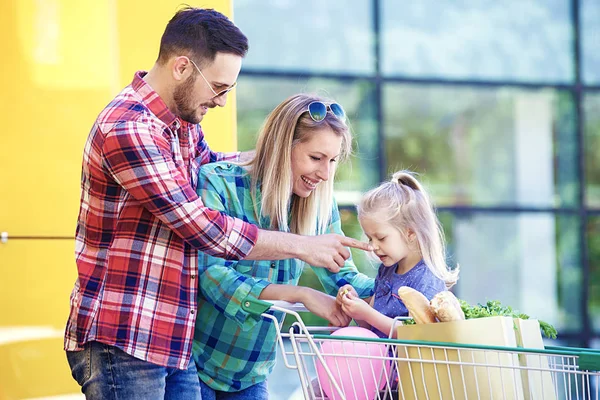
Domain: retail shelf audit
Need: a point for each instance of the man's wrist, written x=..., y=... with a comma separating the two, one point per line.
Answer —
x=275, y=245
x=298, y=247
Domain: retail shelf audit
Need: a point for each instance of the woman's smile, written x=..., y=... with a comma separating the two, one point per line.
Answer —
x=312, y=184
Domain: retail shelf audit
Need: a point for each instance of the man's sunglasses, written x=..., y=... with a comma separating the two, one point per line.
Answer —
x=216, y=94
x=318, y=111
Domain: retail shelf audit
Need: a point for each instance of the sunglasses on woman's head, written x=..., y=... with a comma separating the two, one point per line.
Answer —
x=318, y=111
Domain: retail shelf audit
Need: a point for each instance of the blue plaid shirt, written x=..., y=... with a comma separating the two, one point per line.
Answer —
x=233, y=349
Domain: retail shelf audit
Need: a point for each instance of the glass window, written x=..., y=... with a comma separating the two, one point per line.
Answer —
x=257, y=97
x=529, y=261
x=591, y=125
x=474, y=145
x=309, y=35
x=566, y=343
x=506, y=40
x=593, y=243
x=590, y=47
x=484, y=146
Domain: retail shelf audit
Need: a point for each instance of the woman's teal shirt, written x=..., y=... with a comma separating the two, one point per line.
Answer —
x=232, y=348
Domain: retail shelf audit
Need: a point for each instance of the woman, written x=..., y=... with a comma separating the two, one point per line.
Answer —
x=288, y=186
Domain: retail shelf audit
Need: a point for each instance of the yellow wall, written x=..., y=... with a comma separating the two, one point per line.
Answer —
x=62, y=62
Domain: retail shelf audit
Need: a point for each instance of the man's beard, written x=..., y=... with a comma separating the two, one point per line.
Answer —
x=182, y=98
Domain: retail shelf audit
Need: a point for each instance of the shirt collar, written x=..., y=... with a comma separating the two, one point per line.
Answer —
x=153, y=101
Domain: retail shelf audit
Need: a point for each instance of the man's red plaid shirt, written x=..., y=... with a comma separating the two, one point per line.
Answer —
x=139, y=229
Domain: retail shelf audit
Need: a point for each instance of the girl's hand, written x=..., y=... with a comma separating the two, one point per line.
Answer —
x=343, y=292
x=356, y=308
x=324, y=306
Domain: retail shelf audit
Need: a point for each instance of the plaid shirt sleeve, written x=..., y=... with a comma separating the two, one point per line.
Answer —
x=221, y=283
x=348, y=274
x=207, y=155
x=235, y=156
x=140, y=161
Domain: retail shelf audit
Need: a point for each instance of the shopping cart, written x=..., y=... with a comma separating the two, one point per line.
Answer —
x=349, y=368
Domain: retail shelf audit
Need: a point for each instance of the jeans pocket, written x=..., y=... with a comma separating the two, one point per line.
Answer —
x=81, y=364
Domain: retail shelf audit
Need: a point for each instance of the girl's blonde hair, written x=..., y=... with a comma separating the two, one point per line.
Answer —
x=271, y=169
x=403, y=203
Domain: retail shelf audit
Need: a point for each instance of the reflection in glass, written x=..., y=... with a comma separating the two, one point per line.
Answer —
x=593, y=243
x=313, y=35
x=566, y=343
x=484, y=146
x=529, y=261
x=256, y=97
x=506, y=40
x=590, y=45
x=591, y=128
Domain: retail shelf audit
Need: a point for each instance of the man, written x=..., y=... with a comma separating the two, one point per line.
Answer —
x=140, y=224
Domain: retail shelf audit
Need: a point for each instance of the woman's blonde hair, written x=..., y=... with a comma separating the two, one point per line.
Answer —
x=271, y=169
x=403, y=203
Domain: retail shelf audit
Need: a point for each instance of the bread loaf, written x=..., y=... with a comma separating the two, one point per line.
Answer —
x=417, y=304
x=446, y=307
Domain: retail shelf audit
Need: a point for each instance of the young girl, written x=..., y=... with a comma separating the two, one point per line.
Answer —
x=401, y=224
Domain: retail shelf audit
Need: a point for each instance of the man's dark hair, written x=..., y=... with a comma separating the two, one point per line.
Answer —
x=201, y=34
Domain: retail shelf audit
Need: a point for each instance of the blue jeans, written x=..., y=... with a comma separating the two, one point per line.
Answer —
x=107, y=372
x=255, y=392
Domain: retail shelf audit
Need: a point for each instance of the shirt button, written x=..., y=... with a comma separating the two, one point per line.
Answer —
x=193, y=276
x=272, y=265
x=192, y=312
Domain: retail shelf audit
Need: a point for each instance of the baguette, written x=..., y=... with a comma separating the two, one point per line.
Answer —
x=446, y=307
x=417, y=304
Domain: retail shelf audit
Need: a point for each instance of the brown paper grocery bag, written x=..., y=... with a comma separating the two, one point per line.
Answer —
x=537, y=379
x=493, y=377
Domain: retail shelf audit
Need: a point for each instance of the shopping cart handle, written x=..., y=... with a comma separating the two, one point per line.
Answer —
x=257, y=306
x=298, y=307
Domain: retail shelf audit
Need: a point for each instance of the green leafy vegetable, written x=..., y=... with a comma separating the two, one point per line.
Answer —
x=494, y=308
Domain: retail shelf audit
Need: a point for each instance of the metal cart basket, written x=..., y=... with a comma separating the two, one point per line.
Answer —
x=351, y=368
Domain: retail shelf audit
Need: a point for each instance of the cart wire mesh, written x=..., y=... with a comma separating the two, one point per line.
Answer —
x=350, y=368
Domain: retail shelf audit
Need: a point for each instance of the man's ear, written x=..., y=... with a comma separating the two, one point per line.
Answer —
x=181, y=68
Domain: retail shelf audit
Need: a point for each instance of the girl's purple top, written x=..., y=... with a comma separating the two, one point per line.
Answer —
x=388, y=281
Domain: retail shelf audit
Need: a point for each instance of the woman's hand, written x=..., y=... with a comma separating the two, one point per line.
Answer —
x=324, y=306
x=355, y=307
